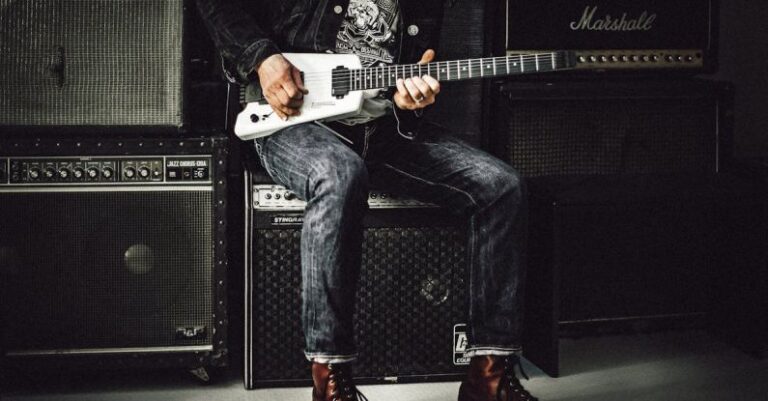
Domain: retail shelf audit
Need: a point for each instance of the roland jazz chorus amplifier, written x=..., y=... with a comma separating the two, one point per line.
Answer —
x=617, y=34
x=112, y=253
x=411, y=303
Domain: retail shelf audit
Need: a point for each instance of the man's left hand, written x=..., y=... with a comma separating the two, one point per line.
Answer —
x=417, y=92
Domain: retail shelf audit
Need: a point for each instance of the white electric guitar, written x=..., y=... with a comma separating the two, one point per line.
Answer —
x=337, y=84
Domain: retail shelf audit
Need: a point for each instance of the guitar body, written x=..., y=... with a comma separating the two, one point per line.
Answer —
x=258, y=119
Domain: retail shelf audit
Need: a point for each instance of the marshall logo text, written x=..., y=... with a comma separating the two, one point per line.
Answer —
x=588, y=22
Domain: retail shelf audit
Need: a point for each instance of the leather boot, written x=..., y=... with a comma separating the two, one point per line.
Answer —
x=333, y=382
x=492, y=378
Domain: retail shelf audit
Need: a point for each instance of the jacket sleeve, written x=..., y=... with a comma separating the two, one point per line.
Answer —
x=242, y=43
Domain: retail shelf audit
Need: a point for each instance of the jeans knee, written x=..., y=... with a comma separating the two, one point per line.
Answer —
x=500, y=183
x=513, y=185
x=344, y=178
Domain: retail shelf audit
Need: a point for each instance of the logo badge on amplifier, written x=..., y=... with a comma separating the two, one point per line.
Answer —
x=191, y=333
x=288, y=220
x=460, y=345
x=588, y=22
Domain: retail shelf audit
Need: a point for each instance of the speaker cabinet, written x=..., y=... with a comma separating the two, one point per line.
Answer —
x=741, y=313
x=612, y=127
x=611, y=255
x=91, y=63
x=411, y=300
x=112, y=252
x=624, y=192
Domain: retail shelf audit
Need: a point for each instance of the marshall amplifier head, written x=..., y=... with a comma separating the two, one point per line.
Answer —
x=617, y=35
x=112, y=252
x=412, y=295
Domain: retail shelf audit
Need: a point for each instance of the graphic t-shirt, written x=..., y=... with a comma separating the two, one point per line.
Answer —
x=370, y=30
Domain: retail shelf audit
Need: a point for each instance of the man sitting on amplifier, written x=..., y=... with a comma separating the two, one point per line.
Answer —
x=330, y=167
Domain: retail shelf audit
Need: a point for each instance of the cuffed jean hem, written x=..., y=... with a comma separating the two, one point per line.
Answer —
x=491, y=350
x=327, y=359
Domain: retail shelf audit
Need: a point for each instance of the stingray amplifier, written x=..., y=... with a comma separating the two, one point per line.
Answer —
x=411, y=303
x=617, y=35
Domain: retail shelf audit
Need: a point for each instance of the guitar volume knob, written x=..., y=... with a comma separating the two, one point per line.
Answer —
x=254, y=118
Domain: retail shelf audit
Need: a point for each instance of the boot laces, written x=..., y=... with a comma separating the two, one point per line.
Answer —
x=345, y=389
x=515, y=386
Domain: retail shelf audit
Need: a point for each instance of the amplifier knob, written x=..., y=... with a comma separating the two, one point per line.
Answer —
x=582, y=59
x=107, y=172
x=64, y=173
x=277, y=196
x=614, y=59
x=78, y=172
x=624, y=58
x=635, y=58
x=93, y=172
x=679, y=59
x=267, y=196
x=289, y=195
x=592, y=59
x=34, y=173
x=129, y=172
x=670, y=59
x=49, y=172
x=603, y=59
x=689, y=59
x=144, y=172
x=645, y=58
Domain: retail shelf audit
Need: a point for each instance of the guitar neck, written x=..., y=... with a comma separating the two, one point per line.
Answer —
x=458, y=70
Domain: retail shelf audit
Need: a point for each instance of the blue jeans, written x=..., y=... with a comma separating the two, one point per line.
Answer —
x=333, y=177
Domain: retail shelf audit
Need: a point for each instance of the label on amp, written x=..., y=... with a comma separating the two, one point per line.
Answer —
x=460, y=343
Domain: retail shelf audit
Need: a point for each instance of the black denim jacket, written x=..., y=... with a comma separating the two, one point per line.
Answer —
x=248, y=31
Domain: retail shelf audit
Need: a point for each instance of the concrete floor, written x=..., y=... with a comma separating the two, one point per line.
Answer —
x=671, y=366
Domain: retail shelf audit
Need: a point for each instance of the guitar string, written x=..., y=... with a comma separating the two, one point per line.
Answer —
x=409, y=68
x=470, y=62
x=383, y=79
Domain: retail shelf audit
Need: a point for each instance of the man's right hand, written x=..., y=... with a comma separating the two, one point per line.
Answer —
x=281, y=85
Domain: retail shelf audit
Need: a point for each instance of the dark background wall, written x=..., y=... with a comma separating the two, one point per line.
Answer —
x=744, y=61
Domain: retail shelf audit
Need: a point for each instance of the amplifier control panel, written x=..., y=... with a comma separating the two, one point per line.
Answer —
x=277, y=197
x=640, y=59
x=122, y=170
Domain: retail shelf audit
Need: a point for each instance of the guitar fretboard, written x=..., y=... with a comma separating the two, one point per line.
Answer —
x=456, y=70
